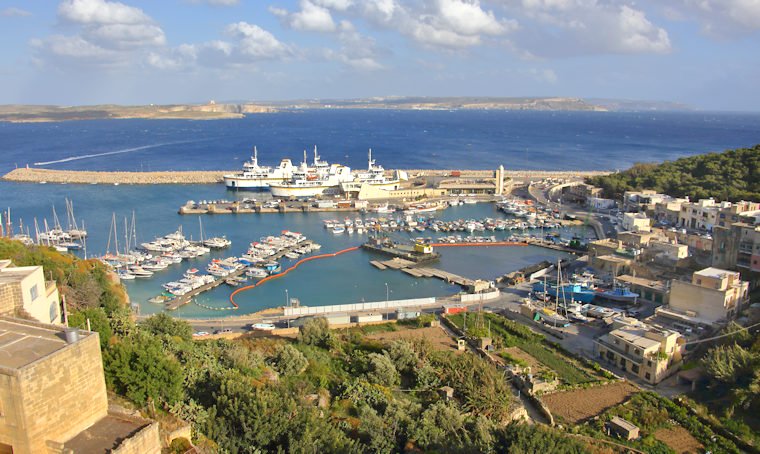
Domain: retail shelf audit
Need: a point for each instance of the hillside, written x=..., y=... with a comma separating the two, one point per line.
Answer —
x=446, y=103
x=731, y=175
x=210, y=111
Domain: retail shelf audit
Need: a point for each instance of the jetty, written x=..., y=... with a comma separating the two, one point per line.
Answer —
x=179, y=301
x=416, y=254
x=36, y=175
x=411, y=268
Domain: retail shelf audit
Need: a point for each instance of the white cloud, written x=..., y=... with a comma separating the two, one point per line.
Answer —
x=106, y=32
x=313, y=18
x=12, y=11
x=724, y=17
x=591, y=26
x=338, y=5
x=257, y=43
x=453, y=24
x=467, y=18
x=100, y=12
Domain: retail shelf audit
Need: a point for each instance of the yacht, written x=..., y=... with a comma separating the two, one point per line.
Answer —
x=254, y=177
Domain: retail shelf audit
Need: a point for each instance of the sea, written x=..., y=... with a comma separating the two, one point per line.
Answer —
x=519, y=140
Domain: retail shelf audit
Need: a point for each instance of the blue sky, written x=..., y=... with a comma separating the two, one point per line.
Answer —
x=705, y=53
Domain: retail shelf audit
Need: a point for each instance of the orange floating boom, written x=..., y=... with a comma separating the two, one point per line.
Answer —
x=279, y=275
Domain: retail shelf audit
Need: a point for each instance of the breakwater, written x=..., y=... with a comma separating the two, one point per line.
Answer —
x=36, y=175
x=31, y=175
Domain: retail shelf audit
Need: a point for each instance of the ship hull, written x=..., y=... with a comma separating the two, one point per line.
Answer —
x=249, y=184
x=296, y=191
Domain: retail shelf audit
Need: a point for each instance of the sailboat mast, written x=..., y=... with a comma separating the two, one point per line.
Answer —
x=115, y=233
x=126, y=237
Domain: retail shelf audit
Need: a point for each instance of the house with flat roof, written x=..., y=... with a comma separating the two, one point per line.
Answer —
x=24, y=292
x=648, y=353
x=713, y=295
x=649, y=290
x=53, y=395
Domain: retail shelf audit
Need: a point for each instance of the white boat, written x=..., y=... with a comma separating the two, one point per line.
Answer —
x=263, y=326
x=125, y=275
x=374, y=176
x=257, y=273
x=338, y=229
x=258, y=178
x=217, y=243
x=311, y=181
x=139, y=271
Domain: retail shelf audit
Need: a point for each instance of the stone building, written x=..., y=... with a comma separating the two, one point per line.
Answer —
x=636, y=222
x=53, y=395
x=713, y=295
x=649, y=290
x=650, y=354
x=25, y=293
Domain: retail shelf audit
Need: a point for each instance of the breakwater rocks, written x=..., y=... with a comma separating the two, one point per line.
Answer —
x=34, y=175
x=90, y=177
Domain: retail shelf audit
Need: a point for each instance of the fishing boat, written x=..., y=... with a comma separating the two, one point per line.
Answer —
x=254, y=177
x=272, y=267
x=552, y=318
x=575, y=291
x=619, y=294
x=338, y=229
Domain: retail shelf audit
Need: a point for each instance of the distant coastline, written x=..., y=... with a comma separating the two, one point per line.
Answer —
x=233, y=110
x=35, y=175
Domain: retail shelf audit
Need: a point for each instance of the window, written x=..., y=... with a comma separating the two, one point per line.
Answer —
x=636, y=352
x=699, y=281
x=33, y=292
x=649, y=363
x=648, y=376
x=635, y=368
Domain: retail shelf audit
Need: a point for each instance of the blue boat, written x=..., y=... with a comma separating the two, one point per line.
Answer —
x=573, y=291
x=620, y=294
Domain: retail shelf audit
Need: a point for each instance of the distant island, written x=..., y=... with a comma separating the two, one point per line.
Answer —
x=210, y=111
x=213, y=111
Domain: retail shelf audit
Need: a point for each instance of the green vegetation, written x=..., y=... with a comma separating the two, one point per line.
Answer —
x=732, y=175
x=84, y=283
x=651, y=412
x=507, y=333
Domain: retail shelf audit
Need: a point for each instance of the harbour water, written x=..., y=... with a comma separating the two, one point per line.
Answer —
x=518, y=140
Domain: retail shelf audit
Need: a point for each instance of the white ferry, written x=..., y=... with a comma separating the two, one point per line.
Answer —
x=373, y=176
x=312, y=181
x=258, y=178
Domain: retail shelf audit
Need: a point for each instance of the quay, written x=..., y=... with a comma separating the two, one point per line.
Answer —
x=419, y=253
x=243, y=207
x=179, y=301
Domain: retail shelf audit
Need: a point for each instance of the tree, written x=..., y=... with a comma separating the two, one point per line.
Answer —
x=315, y=331
x=98, y=322
x=441, y=428
x=289, y=361
x=163, y=324
x=380, y=370
x=403, y=355
x=528, y=439
x=139, y=369
x=730, y=364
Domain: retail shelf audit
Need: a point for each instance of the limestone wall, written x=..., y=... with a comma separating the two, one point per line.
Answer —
x=61, y=394
x=145, y=441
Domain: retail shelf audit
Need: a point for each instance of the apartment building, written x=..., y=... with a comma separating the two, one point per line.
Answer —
x=24, y=292
x=713, y=295
x=705, y=214
x=636, y=222
x=648, y=353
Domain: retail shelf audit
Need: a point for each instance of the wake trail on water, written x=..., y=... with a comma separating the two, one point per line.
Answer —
x=108, y=153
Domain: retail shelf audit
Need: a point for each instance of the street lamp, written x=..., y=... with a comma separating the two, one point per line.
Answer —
x=387, y=292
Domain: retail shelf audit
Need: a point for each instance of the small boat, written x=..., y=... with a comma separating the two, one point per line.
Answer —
x=139, y=271
x=338, y=229
x=619, y=294
x=291, y=255
x=263, y=326
x=272, y=267
x=256, y=273
x=125, y=276
x=160, y=299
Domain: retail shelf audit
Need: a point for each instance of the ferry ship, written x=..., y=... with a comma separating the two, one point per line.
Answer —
x=312, y=181
x=373, y=176
x=254, y=177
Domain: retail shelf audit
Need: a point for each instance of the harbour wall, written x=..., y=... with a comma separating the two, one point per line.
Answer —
x=357, y=307
x=36, y=175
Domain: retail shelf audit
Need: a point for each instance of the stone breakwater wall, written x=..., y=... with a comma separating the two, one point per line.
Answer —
x=91, y=177
x=32, y=175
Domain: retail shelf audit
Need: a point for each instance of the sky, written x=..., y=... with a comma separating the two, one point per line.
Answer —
x=704, y=53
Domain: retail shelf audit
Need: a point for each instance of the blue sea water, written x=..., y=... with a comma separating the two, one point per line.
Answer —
x=400, y=139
